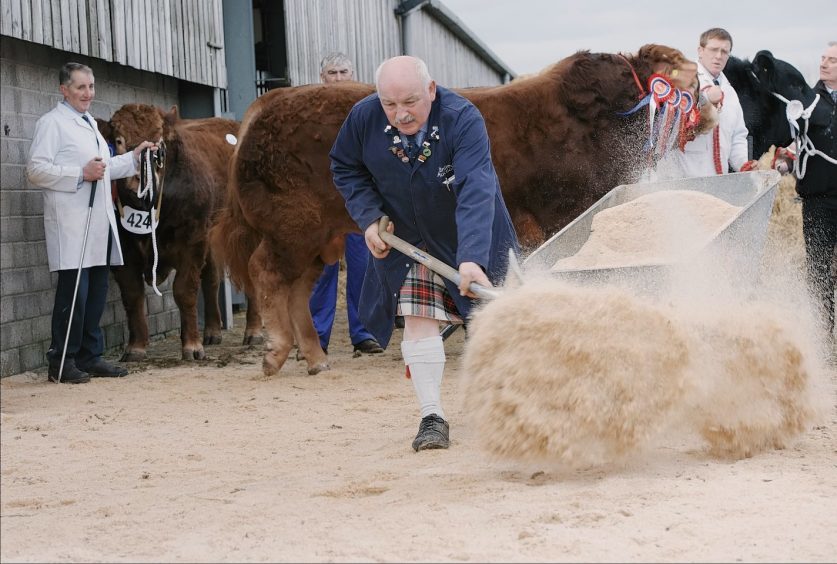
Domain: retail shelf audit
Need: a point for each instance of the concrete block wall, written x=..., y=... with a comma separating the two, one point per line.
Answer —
x=29, y=89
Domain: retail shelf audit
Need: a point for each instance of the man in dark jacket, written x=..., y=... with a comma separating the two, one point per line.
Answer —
x=420, y=154
x=818, y=189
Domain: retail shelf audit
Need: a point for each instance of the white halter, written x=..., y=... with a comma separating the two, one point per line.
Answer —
x=795, y=111
x=143, y=192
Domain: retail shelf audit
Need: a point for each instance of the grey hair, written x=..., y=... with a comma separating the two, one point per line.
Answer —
x=421, y=71
x=65, y=75
x=336, y=59
x=832, y=43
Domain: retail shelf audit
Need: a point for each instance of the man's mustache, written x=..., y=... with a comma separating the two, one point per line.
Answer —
x=407, y=119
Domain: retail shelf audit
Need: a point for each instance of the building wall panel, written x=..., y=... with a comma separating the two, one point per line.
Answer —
x=179, y=38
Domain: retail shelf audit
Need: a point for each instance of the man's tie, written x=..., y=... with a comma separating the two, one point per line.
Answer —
x=87, y=119
x=834, y=96
x=716, y=82
x=411, y=146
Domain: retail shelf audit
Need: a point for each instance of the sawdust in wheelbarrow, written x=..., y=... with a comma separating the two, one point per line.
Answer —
x=658, y=228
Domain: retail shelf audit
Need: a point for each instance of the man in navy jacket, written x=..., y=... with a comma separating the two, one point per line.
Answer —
x=818, y=189
x=420, y=154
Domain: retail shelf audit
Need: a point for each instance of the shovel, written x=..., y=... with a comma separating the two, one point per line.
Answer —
x=431, y=262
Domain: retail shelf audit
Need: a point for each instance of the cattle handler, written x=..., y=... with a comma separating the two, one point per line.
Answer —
x=337, y=67
x=69, y=158
x=420, y=154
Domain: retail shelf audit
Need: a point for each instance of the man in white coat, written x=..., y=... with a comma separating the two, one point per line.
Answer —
x=725, y=147
x=68, y=155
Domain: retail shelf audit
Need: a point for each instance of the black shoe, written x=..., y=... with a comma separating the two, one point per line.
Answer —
x=70, y=375
x=433, y=433
x=102, y=369
x=369, y=346
x=399, y=321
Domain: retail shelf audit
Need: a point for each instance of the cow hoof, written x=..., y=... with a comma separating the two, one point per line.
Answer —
x=269, y=366
x=253, y=340
x=133, y=356
x=197, y=354
x=212, y=340
x=317, y=368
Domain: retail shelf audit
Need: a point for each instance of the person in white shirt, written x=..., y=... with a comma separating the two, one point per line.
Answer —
x=67, y=159
x=723, y=149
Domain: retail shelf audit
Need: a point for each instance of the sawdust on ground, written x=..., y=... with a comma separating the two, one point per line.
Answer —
x=210, y=461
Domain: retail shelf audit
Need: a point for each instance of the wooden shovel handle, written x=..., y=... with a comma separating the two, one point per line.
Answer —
x=430, y=261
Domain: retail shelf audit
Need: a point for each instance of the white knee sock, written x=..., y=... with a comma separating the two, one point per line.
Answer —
x=426, y=359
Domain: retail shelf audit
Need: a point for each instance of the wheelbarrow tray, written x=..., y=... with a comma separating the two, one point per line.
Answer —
x=739, y=242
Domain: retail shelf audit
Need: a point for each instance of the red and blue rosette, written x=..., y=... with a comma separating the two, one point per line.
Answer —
x=687, y=102
x=660, y=87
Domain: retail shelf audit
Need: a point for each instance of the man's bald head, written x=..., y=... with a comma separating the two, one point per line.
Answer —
x=403, y=68
x=406, y=92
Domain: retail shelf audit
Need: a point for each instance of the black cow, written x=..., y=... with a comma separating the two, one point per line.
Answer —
x=764, y=114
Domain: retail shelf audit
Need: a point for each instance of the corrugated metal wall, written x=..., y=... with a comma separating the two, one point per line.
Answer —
x=180, y=38
x=451, y=62
x=368, y=31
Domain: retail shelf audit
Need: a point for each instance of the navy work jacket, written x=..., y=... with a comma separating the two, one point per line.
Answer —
x=449, y=205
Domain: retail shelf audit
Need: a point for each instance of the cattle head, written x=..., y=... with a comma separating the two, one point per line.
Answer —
x=133, y=124
x=671, y=89
x=757, y=83
x=671, y=63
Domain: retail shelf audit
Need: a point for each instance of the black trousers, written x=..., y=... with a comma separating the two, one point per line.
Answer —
x=819, y=226
x=86, y=342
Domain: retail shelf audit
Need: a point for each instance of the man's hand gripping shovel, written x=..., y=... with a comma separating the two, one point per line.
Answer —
x=433, y=263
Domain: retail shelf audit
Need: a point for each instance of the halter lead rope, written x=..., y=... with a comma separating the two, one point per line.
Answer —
x=148, y=191
x=794, y=111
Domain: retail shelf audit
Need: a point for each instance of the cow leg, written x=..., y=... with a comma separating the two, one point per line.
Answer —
x=303, y=325
x=210, y=281
x=273, y=293
x=253, y=329
x=185, y=287
x=132, y=290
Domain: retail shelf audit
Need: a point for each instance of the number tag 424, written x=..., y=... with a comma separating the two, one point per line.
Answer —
x=136, y=221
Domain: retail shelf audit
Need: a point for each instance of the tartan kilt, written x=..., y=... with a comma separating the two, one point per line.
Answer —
x=424, y=294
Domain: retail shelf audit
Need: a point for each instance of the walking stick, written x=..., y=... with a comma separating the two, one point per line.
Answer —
x=78, y=278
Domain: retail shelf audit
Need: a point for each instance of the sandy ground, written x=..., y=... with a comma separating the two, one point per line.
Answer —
x=211, y=461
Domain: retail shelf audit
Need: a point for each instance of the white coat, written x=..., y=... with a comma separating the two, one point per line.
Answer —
x=62, y=144
x=697, y=158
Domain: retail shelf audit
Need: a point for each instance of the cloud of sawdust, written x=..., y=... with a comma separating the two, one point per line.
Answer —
x=590, y=373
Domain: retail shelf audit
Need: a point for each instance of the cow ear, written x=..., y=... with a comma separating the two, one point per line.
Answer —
x=764, y=60
x=172, y=116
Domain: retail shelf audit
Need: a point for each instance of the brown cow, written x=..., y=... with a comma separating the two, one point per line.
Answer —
x=556, y=141
x=192, y=177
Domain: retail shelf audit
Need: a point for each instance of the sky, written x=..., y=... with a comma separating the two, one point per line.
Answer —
x=528, y=35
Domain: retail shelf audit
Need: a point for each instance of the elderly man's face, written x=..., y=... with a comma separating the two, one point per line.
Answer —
x=828, y=66
x=336, y=73
x=81, y=90
x=406, y=101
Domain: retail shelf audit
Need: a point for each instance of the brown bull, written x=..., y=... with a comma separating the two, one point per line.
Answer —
x=191, y=177
x=556, y=140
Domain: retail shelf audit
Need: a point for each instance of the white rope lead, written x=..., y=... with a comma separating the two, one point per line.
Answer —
x=148, y=191
x=795, y=111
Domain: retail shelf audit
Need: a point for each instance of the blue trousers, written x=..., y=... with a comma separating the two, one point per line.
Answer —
x=323, y=302
x=86, y=341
